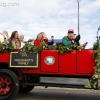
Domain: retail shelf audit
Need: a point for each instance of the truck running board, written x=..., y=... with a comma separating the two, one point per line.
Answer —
x=58, y=85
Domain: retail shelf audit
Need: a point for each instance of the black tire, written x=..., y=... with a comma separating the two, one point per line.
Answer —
x=14, y=84
x=25, y=89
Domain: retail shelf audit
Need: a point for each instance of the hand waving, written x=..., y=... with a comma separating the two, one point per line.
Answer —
x=1, y=33
x=5, y=33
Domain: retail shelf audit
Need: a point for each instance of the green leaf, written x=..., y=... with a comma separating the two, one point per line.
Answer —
x=96, y=76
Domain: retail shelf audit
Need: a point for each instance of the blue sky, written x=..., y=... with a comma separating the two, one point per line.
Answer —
x=54, y=17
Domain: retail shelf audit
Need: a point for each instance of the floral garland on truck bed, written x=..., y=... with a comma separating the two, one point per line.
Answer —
x=96, y=76
x=63, y=49
x=8, y=48
x=34, y=49
x=59, y=47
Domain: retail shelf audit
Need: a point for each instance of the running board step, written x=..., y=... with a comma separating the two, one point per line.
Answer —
x=58, y=85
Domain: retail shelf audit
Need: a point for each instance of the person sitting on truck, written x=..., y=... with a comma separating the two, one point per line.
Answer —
x=41, y=37
x=7, y=39
x=21, y=38
x=70, y=39
x=14, y=40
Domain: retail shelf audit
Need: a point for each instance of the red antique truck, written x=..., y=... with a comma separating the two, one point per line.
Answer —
x=20, y=72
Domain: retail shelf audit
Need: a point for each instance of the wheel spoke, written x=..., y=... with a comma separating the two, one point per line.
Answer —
x=6, y=79
x=1, y=90
x=8, y=83
x=8, y=88
x=4, y=91
x=1, y=79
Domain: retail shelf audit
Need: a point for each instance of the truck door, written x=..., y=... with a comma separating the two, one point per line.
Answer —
x=49, y=61
x=85, y=61
x=67, y=63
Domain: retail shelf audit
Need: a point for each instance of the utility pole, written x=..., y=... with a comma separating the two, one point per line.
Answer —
x=78, y=18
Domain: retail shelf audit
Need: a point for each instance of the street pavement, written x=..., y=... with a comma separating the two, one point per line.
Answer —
x=53, y=93
x=40, y=93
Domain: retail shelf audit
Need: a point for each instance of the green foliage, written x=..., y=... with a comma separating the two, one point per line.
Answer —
x=34, y=49
x=96, y=76
x=59, y=47
x=96, y=46
x=8, y=48
x=63, y=49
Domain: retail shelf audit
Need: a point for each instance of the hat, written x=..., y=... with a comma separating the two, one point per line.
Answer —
x=70, y=30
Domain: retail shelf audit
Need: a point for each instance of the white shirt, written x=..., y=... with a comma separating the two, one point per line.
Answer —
x=22, y=44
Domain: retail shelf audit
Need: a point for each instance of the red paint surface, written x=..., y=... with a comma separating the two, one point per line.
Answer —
x=4, y=57
x=79, y=63
x=85, y=61
x=67, y=63
x=49, y=68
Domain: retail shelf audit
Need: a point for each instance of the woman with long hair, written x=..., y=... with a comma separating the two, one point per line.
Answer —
x=42, y=37
x=39, y=39
x=14, y=40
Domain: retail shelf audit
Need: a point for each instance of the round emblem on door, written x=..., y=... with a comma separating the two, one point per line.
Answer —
x=49, y=60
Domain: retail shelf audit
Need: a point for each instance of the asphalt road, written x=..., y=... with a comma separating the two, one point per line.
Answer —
x=59, y=94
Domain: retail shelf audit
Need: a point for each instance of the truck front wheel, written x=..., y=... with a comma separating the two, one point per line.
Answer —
x=25, y=89
x=9, y=84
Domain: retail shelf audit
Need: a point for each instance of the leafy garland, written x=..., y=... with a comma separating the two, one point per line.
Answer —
x=8, y=48
x=63, y=49
x=96, y=76
x=34, y=49
x=59, y=47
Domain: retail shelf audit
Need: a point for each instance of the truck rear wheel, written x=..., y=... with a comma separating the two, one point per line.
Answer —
x=9, y=84
x=25, y=89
